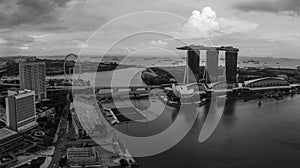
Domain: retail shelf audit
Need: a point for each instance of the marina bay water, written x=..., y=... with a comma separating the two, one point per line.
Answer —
x=247, y=135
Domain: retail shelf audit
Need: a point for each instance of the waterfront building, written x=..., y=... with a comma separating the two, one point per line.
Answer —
x=20, y=110
x=192, y=69
x=266, y=82
x=188, y=93
x=33, y=77
x=231, y=58
x=212, y=59
x=9, y=140
x=148, y=76
x=193, y=57
x=183, y=91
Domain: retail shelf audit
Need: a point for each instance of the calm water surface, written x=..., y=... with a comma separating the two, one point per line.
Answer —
x=247, y=136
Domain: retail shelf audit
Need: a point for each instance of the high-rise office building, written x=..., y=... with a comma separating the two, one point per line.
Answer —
x=212, y=60
x=33, y=77
x=20, y=110
x=192, y=71
x=231, y=66
x=231, y=56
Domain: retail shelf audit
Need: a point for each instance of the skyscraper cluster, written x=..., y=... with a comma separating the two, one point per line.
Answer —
x=20, y=103
x=212, y=58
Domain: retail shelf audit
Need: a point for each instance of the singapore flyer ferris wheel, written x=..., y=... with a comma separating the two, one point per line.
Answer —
x=68, y=72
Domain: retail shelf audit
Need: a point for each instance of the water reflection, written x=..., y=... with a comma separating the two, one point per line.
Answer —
x=144, y=129
x=247, y=136
x=169, y=114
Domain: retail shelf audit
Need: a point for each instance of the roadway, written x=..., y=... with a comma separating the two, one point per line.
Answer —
x=61, y=140
x=104, y=87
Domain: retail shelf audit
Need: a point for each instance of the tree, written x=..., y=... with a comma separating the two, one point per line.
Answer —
x=47, y=141
x=36, y=163
x=51, y=131
x=123, y=163
x=134, y=165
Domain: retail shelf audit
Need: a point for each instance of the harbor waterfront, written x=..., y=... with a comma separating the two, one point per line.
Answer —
x=249, y=129
x=246, y=133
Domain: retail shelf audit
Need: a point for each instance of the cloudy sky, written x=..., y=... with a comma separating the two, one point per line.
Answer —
x=269, y=28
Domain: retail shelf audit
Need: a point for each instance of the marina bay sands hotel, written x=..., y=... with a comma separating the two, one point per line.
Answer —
x=212, y=58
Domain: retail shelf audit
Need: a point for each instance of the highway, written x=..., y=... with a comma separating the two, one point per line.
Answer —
x=61, y=140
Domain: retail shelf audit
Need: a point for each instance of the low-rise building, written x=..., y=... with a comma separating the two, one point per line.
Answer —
x=45, y=112
x=79, y=157
x=9, y=140
x=8, y=160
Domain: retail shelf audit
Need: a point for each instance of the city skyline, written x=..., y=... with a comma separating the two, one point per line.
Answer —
x=259, y=28
x=140, y=83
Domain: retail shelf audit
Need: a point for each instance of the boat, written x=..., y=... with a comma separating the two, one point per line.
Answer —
x=259, y=103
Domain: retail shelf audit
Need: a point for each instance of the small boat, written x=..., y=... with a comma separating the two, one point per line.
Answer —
x=259, y=103
x=278, y=97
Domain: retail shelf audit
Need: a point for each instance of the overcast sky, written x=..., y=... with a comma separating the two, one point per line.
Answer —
x=269, y=28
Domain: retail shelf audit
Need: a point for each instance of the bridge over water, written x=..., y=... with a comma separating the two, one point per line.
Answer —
x=116, y=91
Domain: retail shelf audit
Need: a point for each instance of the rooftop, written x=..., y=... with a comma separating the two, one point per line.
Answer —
x=16, y=92
x=81, y=152
x=201, y=47
x=82, y=156
x=5, y=132
x=6, y=135
x=33, y=63
x=261, y=79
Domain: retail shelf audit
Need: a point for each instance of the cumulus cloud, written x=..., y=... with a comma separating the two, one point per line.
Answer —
x=286, y=7
x=17, y=12
x=201, y=23
x=207, y=24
